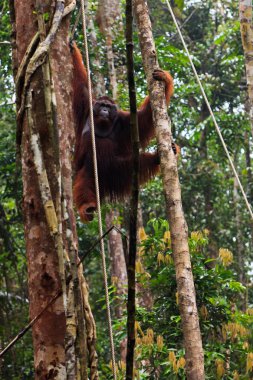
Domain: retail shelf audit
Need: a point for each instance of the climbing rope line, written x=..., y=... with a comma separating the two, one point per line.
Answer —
x=210, y=110
x=97, y=192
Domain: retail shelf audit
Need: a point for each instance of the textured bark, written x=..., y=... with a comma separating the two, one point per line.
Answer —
x=90, y=328
x=245, y=14
x=118, y=263
x=43, y=278
x=115, y=244
x=106, y=20
x=119, y=275
x=118, y=269
x=178, y=226
x=44, y=240
x=114, y=16
x=98, y=79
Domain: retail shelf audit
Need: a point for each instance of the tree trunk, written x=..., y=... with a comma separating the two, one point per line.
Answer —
x=133, y=210
x=105, y=20
x=207, y=193
x=178, y=226
x=108, y=14
x=248, y=166
x=118, y=264
x=45, y=125
x=115, y=245
x=245, y=15
x=98, y=79
x=239, y=237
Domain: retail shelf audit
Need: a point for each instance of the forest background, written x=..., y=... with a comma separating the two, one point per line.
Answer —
x=219, y=224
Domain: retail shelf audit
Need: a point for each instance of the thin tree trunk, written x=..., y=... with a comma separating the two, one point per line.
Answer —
x=115, y=244
x=248, y=166
x=44, y=85
x=98, y=79
x=133, y=214
x=106, y=21
x=207, y=193
x=118, y=263
x=245, y=15
x=178, y=226
x=239, y=238
x=118, y=266
x=118, y=269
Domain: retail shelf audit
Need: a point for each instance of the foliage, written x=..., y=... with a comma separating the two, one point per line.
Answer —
x=13, y=295
x=212, y=32
x=226, y=330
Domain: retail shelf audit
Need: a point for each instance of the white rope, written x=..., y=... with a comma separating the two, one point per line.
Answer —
x=210, y=110
x=102, y=249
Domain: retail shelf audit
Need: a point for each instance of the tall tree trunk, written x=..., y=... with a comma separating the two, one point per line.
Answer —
x=108, y=13
x=133, y=211
x=239, y=237
x=115, y=245
x=178, y=226
x=45, y=125
x=118, y=264
x=245, y=14
x=249, y=167
x=207, y=192
x=98, y=79
x=118, y=269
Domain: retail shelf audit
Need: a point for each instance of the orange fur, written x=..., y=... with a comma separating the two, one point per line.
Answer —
x=114, y=151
